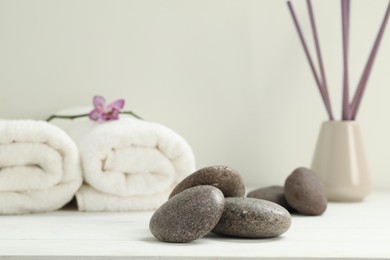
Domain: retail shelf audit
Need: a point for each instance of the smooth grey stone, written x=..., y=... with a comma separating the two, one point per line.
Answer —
x=305, y=193
x=228, y=180
x=252, y=218
x=272, y=193
x=188, y=216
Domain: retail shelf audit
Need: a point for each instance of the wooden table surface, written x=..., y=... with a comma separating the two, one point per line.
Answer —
x=345, y=231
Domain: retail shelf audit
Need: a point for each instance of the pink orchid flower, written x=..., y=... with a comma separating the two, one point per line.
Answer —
x=103, y=112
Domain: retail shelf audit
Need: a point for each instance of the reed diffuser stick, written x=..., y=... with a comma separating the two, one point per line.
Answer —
x=345, y=23
x=308, y=56
x=324, y=84
x=366, y=74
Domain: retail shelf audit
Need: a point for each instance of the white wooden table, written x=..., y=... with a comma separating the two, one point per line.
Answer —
x=346, y=230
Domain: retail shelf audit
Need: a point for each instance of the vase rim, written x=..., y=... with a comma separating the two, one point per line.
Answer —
x=342, y=122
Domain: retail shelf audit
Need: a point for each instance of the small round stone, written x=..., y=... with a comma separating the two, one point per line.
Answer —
x=305, y=192
x=252, y=218
x=272, y=193
x=228, y=180
x=188, y=216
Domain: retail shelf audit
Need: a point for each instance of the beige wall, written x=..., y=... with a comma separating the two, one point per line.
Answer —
x=230, y=76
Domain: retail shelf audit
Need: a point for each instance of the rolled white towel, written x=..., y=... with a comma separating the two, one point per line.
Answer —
x=39, y=167
x=128, y=164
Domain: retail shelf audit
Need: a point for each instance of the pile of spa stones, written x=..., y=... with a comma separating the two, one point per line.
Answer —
x=212, y=200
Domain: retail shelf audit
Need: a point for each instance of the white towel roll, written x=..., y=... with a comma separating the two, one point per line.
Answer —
x=128, y=164
x=39, y=167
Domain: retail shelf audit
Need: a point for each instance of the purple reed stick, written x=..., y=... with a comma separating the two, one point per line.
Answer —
x=366, y=74
x=306, y=50
x=320, y=63
x=345, y=22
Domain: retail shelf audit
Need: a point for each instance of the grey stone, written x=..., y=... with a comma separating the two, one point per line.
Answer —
x=188, y=216
x=252, y=218
x=272, y=193
x=305, y=192
x=228, y=180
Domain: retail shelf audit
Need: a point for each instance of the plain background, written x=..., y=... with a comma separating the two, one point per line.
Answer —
x=230, y=76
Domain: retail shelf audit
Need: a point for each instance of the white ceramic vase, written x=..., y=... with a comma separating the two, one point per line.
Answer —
x=340, y=161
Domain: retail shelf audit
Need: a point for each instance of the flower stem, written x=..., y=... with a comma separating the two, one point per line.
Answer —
x=131, y=113
x=65, y=117
x=84, y=115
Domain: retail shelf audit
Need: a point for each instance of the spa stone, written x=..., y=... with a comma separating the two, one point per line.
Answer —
x=305, y=192
x=188, y=216
x=252, y=218
x=228, y=180
x=272, y=193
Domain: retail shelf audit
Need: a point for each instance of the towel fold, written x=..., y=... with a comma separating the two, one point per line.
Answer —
x=39, y=167
x=128, y=164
